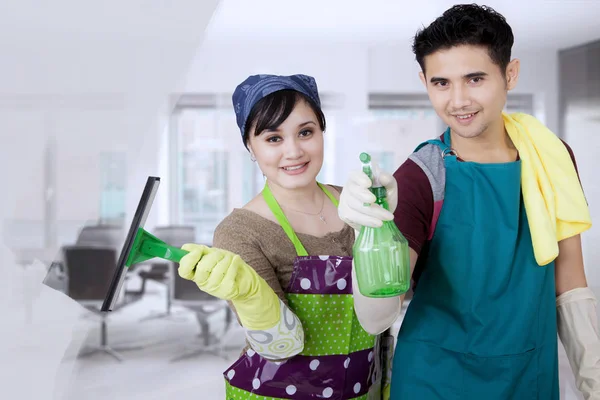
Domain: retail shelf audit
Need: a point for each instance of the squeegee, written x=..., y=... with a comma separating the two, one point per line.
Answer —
x=139, y=245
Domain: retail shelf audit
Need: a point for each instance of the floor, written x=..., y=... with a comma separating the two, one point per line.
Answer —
x=148, y=373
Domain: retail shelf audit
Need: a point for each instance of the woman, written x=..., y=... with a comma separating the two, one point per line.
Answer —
x=284, y=260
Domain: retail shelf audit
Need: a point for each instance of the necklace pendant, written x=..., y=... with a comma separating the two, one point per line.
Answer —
x=322, y=218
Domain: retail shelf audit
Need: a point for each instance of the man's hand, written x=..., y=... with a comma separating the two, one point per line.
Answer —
x=355, y=194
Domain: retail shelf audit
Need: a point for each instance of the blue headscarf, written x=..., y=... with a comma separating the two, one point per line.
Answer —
x=255, y=87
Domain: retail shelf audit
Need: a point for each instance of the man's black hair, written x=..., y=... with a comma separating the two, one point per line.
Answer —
x=466, y=24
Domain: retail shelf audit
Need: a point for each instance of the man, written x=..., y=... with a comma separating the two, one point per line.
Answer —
x=492, y=211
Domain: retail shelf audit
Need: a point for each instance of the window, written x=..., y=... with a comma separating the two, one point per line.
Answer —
x=211, y=170
x=520, y=103
x=208, y=163
x=396, y=125
x=330, y=106
x=112, y=188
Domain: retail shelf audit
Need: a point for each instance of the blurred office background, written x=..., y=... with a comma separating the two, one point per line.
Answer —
x=82, y=155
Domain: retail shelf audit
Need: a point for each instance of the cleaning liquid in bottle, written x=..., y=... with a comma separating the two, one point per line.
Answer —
x=381, y=255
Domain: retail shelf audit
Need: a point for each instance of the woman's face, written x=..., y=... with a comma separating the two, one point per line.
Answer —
x=292, y=155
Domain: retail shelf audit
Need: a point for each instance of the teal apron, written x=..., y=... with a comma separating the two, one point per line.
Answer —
x=482, y=322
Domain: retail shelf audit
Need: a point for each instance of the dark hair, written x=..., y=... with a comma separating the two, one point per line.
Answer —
x=466, y=24
x=272, y=110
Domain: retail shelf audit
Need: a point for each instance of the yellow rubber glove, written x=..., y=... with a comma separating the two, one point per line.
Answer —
x=225, y=275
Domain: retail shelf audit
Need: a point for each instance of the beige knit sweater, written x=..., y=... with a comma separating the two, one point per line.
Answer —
x=264, y=246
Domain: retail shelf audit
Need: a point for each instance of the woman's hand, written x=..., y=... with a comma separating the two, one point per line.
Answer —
x=225, y=275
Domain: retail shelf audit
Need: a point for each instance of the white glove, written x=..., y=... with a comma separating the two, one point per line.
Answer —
x=356, y=193
x=375, y=315
x=579, y=334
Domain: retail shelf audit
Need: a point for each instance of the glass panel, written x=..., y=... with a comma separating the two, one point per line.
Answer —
x=212, y=171
x=326, y=174
x=385, y=160
x=203, y=165
x=249, y=179
x=204, y=191
x=392, y=135
x=112, y=189
x=402, y=113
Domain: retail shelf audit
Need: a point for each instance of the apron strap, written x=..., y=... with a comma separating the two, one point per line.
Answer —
x=444, y=146
x=284, y=222
x=434, y=167
x=331, y=197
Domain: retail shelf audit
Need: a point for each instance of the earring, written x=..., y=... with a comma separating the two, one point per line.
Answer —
x=252, y=158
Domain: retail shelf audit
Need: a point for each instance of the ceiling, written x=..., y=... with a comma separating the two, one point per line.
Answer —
x=551, y=23
x=73, y=47
x=87, y=46
x=536, y=23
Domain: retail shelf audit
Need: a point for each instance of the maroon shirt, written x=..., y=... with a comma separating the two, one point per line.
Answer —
x=414, y=212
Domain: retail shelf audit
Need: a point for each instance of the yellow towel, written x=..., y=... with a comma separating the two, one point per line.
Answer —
x=554, y=200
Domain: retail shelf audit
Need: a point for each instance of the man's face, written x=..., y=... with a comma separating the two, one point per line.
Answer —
x=467, y=89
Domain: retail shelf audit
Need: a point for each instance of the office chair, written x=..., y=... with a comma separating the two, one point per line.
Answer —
x=88, y=272
x=174, y=235
x=187, y=294
x=101, y=236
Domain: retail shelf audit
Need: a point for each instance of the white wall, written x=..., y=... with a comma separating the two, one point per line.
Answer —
x=582, y=135
x=346, y=69
x=353, y=71
x=66, y=75
x=393, y=68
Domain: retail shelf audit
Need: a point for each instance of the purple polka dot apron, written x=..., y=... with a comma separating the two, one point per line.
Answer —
x=340, y=360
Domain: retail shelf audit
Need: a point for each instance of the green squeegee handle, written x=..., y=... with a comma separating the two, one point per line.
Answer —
x=163, y=251
x=147, y=246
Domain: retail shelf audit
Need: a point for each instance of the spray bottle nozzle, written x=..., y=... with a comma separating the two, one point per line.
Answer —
x=370, y=168
x=365, y=158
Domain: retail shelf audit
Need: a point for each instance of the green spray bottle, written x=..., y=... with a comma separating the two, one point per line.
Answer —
x=381, y=255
